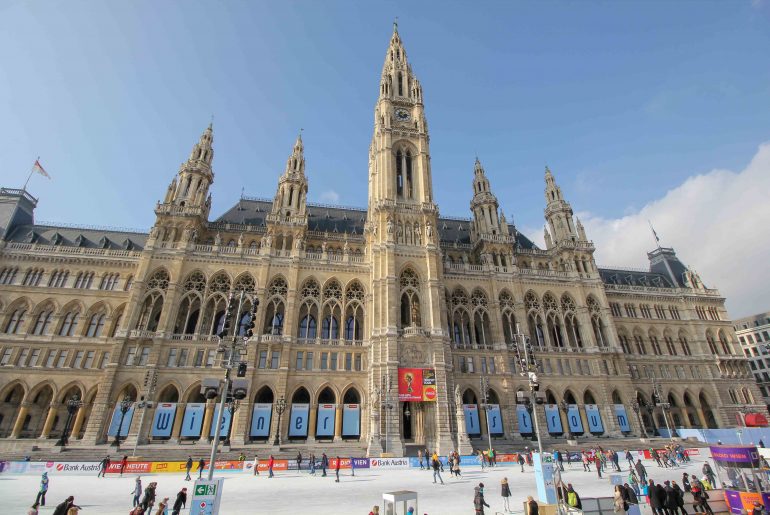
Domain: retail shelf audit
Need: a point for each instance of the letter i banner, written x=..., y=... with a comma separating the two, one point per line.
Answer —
x=164, y=419
x=192, y=423
x=472, y=425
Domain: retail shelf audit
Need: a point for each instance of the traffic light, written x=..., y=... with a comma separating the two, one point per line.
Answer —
x=147, y=379
x=252, y=320
x=241, y=369
x=228, y=318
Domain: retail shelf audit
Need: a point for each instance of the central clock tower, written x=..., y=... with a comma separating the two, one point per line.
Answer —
x=409, y=320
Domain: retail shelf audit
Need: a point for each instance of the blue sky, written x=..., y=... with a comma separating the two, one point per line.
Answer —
x=623, y=100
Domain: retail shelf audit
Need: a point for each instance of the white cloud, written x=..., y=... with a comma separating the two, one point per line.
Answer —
x=330, y=197
x=718, y=223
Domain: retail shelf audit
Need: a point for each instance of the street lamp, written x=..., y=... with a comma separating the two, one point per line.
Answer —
x=663, y=405
x=125, y=405
x=636, y=407
x=280, y=407
x=565, y=406
x=232, y=407
x=73, y=405
x=484, y=388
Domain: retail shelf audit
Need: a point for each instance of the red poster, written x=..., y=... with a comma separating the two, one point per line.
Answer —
x=417, y=384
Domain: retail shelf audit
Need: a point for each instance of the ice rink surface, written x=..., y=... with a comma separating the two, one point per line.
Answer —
x=295, y=492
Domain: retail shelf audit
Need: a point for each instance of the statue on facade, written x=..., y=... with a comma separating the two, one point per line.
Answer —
x=415, y=314
x=299, y=244
x=218, y=240
x=458, y=395
x=429, y=232
x=390, y=225
x=240, y=240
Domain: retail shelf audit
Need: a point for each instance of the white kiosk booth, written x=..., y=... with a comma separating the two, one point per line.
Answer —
x=398, y=503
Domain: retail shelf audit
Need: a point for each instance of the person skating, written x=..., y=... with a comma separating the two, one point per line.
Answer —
x=615, y=461
x=256, y=466
x=33, y=509
x=630, y=460
x=481, y=459
x=188, y=468
x=478, y=498
x=709, y=473
x=137, y=491
x=299, y=460
x=180, y=502
x=103, y=466
x=505, y=492
x=419, y=458
x=598, y=463
x=700, y=502
x=40, y=499
x=685, y=481
x=632, y=479
x=65, y=506
x=324, y=464
x=670, y=502
x=201, y=466
x=436, y=470
x=492, y=457
x=586, y=462
x=270, y=464
x=149, y=497
x=162, y=506
x=337, y=470
x=631, y=494
x=312, y=464
x=573, y=499
x=521, y=462
x=426, y=457
x=641, y=471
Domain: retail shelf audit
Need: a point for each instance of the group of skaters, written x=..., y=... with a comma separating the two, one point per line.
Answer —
x=144, y=500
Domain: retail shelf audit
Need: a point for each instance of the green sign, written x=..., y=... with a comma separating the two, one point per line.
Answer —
x=205, y=490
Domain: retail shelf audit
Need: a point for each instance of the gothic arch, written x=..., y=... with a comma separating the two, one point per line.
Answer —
x=300, y=396
x=616, y=397
x=409, y=283
x=129, y=389
x=40, y=387
x=14, y=387
x=169, y=393
x=469, y=396
x=275, y=310
x=66, y=391
x=264, y=395
x=193, y=393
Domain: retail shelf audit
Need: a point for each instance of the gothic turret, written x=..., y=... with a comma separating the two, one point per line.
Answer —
x=558, y=212
x=486, y=220
x=290, y=202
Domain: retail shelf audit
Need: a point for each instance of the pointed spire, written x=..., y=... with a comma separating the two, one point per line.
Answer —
x=203, y=150
x=296, y=161
x=477, y=168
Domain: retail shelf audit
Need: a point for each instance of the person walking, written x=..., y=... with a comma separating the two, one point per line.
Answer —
x=201, y=466
x=270, y=464
x=685, y=482
x=337, y=470
x=700, y=502
x=631, y=494
x=505, y=492
x=478, y=498
x=40, y=499
x=670, y=503
x=256, y=466
x=137, y=492
x=299, y=460
x=324, y=464
x=657, y=496
x=521, y=462
x=180, y=503
x=188, y=468
x=65, y=506
x=436, y=470
x=103, y=466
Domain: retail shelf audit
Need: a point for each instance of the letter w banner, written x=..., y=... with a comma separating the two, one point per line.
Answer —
x=573, y=419
x=192, y=424
x=351, y=420
x=115, y=422
x=324, y=425
x=225, y=427
x=524, y=419
x=622, y=416
x=163, y=422
x=553, y=419
x=594, y=419
x=260, y=420
x=298, y=420
x=472, y=425
x=494, y=419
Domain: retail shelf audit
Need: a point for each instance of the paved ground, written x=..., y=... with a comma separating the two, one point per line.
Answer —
x=298, y=493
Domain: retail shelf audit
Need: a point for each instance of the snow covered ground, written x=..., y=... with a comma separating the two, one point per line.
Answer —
x=293, y=492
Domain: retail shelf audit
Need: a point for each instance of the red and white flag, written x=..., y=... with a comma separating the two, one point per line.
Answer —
x=39, y=169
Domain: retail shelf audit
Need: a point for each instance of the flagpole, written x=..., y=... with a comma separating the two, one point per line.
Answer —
x=32, y=170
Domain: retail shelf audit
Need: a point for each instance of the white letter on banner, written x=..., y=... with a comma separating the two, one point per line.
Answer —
x=260, y=420
x=324, y=425
x=472, y=425
x=552, y=419
x=164, y=419
x=225, y=427
x=351, y=420
x=594, y=419
x=525, y=420
x=494, y=419
x=193, y=419
x=573, y=418
x=298, y=420
x=115, y=422
x=620, y=414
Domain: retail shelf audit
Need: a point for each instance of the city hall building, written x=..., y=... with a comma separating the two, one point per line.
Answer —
x=378, y=330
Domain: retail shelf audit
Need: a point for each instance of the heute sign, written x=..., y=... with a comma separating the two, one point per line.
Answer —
x=417, y=384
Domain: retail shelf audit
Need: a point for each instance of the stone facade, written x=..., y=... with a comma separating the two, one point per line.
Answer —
x=346, y=297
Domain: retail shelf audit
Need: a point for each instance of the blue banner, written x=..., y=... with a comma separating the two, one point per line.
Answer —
x=494, y=419
x=359, y=463
x=472, y=424
x=553, y=419
x=622, y=417
x=573, y=419
x=324, y=425
x=193, y=419
x=115, y=422
x=298, y=420
x=525, y=420
x=225, y=422
x=260, y=420
x=162, y=424
x=351, y=421
x=594, y=418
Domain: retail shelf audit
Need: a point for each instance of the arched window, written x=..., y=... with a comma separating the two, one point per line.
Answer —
x=330, y=328
x=95, y=325
x=509, y=319
x=16, y=322
x=43, y=323
x=726, y=348
x=400, y=84
x=354, y=312
x=410, y=299
x=307, y=327
x=399, y=174
x=151, y=310
x=69, y=324
x=409, y=182
x=274, y=312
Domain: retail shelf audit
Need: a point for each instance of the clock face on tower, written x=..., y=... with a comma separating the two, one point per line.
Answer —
x=402, y=115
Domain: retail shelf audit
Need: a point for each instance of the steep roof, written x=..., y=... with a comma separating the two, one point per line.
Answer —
x=634, y=278
x=73, y=236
